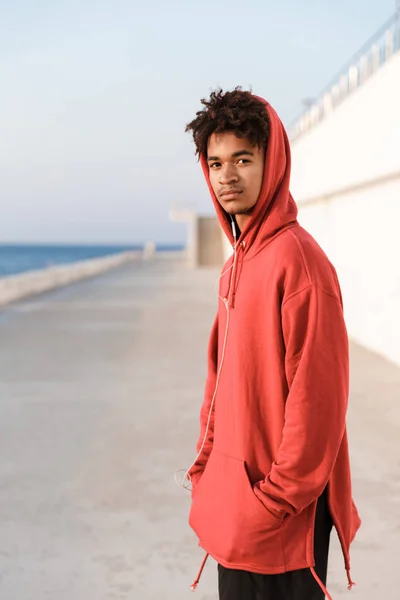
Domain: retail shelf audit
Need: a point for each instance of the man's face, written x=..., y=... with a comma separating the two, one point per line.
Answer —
x=236, y=169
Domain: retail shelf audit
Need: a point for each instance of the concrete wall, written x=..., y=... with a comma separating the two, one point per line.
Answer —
x=16, y=287
x=205, y=242
x=346, y=180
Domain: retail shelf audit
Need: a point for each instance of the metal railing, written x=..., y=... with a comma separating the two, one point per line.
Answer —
x=370, y=57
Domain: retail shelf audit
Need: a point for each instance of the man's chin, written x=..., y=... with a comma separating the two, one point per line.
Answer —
x=235, y=208
x=232, y=208
x=229, y=210
x=239, y=211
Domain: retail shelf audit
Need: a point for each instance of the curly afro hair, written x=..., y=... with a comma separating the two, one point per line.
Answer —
x=237, y=111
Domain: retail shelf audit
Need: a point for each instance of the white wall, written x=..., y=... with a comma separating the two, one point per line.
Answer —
x=360, y=140
x=360, y=230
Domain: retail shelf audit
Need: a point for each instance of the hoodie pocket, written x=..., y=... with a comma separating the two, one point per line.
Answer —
x=229, y=520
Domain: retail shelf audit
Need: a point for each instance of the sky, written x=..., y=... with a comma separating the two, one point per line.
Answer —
x=95, y=96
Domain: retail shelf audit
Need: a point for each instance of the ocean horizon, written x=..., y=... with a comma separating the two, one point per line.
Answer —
x=21, y=258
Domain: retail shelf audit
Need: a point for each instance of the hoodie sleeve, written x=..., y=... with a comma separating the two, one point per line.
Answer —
x=317, y=372
x=204, y=450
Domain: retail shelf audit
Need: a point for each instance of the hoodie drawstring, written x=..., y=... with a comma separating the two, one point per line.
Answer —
x=317, y=579
x=351, y=583
x=203, y=564
x=321, y=585
x=234, y=277
x=323, y=588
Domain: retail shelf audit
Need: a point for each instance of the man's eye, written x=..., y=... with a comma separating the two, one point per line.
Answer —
x=216, y=164
x=243, y=160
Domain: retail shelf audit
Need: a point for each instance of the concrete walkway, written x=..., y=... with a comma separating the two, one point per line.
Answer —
x=100, y=387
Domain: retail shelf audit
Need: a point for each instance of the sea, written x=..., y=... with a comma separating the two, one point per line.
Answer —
x=20, y=258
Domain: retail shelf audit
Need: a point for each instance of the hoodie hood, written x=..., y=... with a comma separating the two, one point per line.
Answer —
x=275, y=209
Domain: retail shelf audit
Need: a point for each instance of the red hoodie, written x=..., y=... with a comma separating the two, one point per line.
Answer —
x=273, y=421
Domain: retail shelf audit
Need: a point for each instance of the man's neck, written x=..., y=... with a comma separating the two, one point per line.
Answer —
x=242, y=221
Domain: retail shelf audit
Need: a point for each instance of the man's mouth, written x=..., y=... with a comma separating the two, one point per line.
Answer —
x=230, y=194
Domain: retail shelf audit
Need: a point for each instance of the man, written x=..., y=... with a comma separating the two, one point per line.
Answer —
x=272, y=472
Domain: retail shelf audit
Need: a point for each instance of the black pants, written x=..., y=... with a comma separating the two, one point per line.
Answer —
x=293, y=585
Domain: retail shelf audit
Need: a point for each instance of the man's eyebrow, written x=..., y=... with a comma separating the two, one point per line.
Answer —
x=234, y=155
x=242, y=152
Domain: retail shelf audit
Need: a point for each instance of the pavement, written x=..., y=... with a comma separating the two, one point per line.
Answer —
x=100, y=388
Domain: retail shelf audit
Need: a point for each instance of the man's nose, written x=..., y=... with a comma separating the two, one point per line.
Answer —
x=228, y=175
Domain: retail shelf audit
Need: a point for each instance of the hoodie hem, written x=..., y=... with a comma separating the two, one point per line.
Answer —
x=261, y=570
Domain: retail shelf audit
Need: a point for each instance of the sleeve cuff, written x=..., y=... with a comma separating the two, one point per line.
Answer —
x=263, y=498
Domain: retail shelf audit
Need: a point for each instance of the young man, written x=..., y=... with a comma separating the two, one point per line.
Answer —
x=272, y=474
